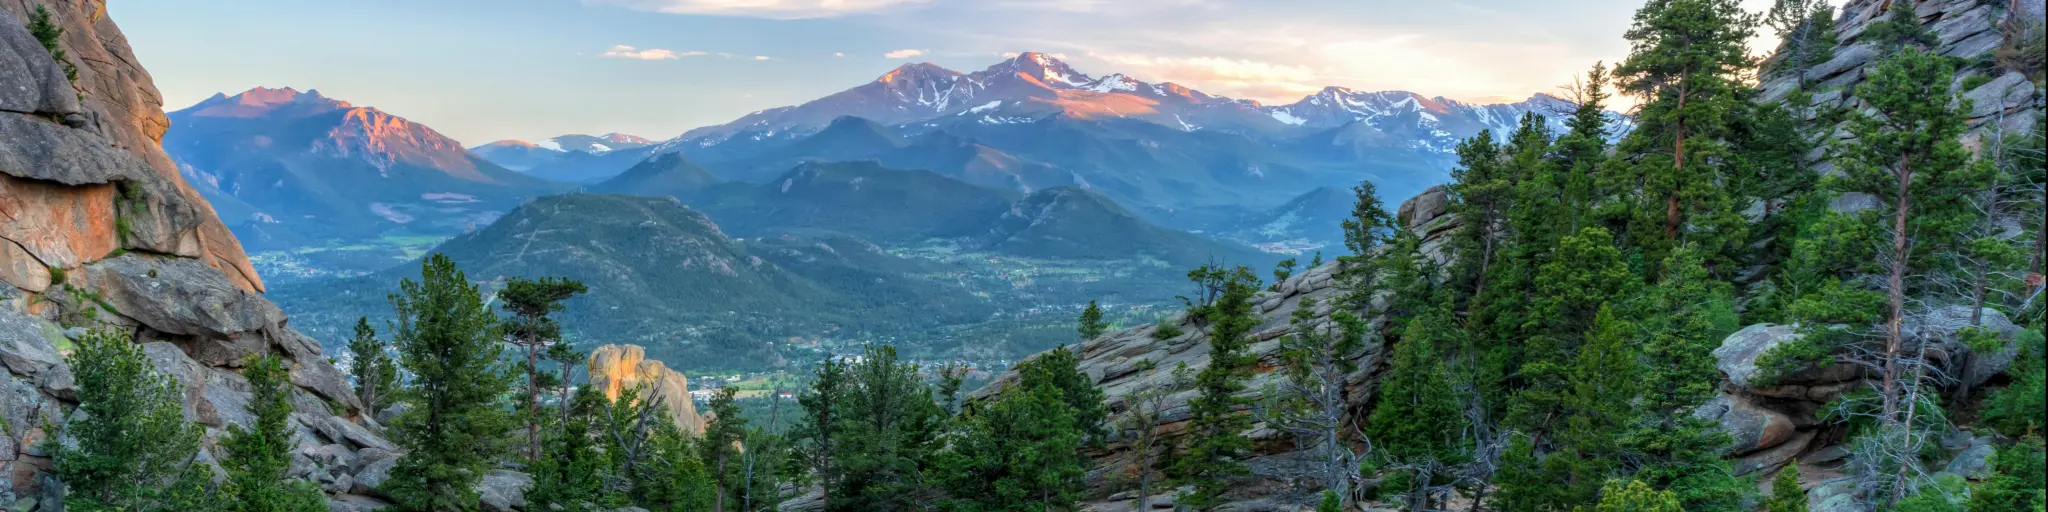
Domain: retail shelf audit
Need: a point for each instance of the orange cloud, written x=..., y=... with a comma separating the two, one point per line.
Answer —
x=627, y=52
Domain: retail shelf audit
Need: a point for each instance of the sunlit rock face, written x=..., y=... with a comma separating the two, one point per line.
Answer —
x=617, y=368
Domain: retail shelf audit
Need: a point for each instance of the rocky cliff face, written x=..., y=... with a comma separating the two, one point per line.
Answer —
x=97, y=231
x=1969, y=30
x=115, y=100
x=616, y=368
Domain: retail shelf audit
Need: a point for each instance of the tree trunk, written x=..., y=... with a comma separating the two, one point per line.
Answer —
x=1896, y=294
x=532, y=403
x=1671, y=217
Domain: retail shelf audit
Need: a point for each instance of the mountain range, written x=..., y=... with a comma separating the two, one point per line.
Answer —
x=573, y=158
x=290, y=168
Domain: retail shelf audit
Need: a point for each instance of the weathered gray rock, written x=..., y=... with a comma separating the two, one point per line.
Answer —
x=1974, y=463
x=1738, y=354
x=373, y=475
x=1773, y=458
x=1754, y=428
x=34, y=83
x=504, y=491
x=44, y=150
x=181, y=296
x=355, y=503
x=344, y=430
x=26, y=343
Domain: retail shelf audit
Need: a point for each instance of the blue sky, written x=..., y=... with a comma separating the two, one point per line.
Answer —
x=483, y=70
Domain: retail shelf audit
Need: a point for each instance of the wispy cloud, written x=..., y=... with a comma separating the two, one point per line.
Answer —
x=1012, y=55
x=904, y=53
x=627, y=52
x=773, y=9
x=760, y=57
x=838, y=54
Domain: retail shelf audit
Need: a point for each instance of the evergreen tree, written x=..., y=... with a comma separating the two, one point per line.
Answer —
x=817, y=433
x=2019, y=481
x=1532, y=483
x=1060, y=368
x=376, y=376
x=531, y=330
x=448, y=341
x=1600, y=407
x=258, y=457
x=886, y=436
x=1686, y=62
x=720, y=446
x=573, y=467
x=1909, y=156
x=1091, y=325
x=1900, y=29
x=1806, y=35
x=1017, y=454
x=1786, y=495
x=1418, y=427
x=1217, y=446
x=49, y=33
x=1366, y=234
x=1584, y=274
x=1634, y=497
x=134, y=449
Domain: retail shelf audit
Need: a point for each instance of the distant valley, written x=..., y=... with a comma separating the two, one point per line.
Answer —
x=1007, y=195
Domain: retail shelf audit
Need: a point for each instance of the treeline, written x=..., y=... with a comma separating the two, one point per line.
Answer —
x=1555, y=360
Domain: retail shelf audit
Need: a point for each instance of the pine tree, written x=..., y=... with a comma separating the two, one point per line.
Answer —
x=1786, y=495
x=573, y=467
x=531, y=330
x=1218, y=445
x=134, y=449
x=885, y=440
x=1366, y=234
x=1060, y=368
x=720, y=446
x=259, y=456
x=375, y=375
x=1900, y=29
x=1017, y=454
x=1910, y=158
x=1583, y=274
x=1418, y=426
x=49, y=34
x=1091, y=325
x=1600, y=407
x=817, y=434
x=449, y=342
x=1687, y=61
x=1634, y=496
x=1480, y=191
x=1806, y=35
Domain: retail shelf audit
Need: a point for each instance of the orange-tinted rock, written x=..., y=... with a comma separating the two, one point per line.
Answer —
x=126, y=109
x=616, y=368
x=22, y=270
x=62, y=226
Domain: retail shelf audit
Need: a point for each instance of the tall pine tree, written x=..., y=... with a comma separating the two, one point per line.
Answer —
x=449, y=342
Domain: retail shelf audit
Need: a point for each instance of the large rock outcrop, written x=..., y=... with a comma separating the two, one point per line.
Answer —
x=98, y=231
x=617, y=368
x=115, y=99
x=1968, y=30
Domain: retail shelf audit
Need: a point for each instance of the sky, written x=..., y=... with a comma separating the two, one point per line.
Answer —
x=485, y=70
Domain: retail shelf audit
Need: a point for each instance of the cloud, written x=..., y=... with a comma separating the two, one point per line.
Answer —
x=1220, y=75
x=838, y=54
x=1012, y=55
x=904, y=53
x=772, y=9
x=760, y=57
x=627, y=52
